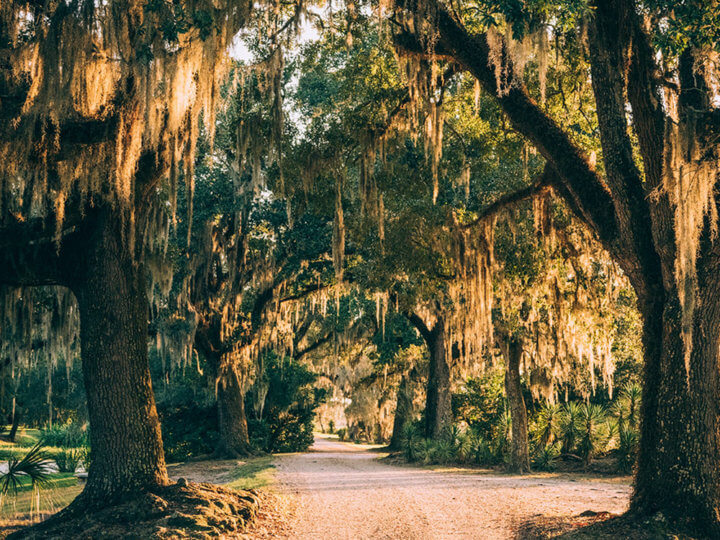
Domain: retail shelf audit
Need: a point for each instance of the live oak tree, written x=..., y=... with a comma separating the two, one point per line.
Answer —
x=652, y=205
x=559, y=304
x=100, y=114
x=249, y=261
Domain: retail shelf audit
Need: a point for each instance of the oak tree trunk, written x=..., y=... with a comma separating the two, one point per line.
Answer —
x=232, y=421
x=438, y=405
x=127, y=449
x=519, y=454
x=679, y=456
x=403, y=412
x=15, y=423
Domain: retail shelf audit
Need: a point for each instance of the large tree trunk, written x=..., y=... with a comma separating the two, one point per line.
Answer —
x=519, y=454
x=679, y=457
x=438, y=405
x=127, y=450
x=403, y=412
x=15, y=422
x=232, y=421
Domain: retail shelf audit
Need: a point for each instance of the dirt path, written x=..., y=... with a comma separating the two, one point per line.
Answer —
x=342, y=491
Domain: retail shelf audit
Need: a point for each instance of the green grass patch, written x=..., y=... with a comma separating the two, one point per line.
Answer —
x=18, y=452
x=59, y=492
x=255, y=473
x=25, y=437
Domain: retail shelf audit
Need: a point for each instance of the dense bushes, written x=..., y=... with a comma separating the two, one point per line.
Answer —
x=68, y=459
x=188, y=416
x=188, y=429
x=576, y=432
x=68, y=435
x=283, y=420
x=280, y=407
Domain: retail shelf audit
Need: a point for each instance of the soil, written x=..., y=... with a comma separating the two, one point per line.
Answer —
x=343, y=491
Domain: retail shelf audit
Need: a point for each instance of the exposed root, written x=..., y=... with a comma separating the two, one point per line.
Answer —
x=181, y=510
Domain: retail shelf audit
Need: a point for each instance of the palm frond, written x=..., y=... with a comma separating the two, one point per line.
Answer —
x=33, y=466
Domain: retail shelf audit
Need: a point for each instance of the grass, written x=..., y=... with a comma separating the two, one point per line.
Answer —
x=24, y=438
x=60, y=491
x=8, y=451
x=255, y=473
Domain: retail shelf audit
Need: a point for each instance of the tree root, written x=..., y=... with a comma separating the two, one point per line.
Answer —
x=181, y=510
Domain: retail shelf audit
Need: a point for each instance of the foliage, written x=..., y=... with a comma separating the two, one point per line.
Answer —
x=594, y=431
x=70, y=458
x=285, y=421
x=545, y=459
x=188, y=414
x=480, y=404
x=458, y=445
x=68, y=435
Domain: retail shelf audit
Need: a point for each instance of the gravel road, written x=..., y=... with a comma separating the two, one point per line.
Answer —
x=342, y=491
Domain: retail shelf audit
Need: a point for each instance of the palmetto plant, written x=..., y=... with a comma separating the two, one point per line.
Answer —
x=545, y=458
x=592, y=422
x=547, y=425
x=627, y=450
x=569, y=426
x=32, y=466
x=630, y=396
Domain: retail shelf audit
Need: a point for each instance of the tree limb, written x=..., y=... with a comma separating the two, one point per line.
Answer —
x=541, y=185
x=589, y=193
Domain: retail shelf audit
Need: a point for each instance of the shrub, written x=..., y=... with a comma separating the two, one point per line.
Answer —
x=546, y=457
x=342, y=434
x=68, y=459
x=568, y=427
x=69, y=435
x=288, y=412
x=188, y=429
x=627, y=450
x=546, y=425
x=411, y=440
x=481, y=404
x=594, y=434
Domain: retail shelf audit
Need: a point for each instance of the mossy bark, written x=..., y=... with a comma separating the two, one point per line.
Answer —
x=438, y=403
x=519, y=451
x=403, y=412
x=127, y=449
x=232, y=420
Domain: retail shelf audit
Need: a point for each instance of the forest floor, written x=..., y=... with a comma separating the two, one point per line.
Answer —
x=343, y=490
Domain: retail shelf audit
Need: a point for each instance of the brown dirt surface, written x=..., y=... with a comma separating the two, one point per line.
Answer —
x=344, y=491
x=600, y=526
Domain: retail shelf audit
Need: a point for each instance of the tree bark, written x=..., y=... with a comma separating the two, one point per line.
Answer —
x=232, y=421
x=679, y=456
x=438, y=405
x=403, y=413
x=15, y=423
x=127, y=450
x=519, y=454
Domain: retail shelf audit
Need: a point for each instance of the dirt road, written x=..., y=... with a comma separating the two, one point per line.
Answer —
x=342, y=491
